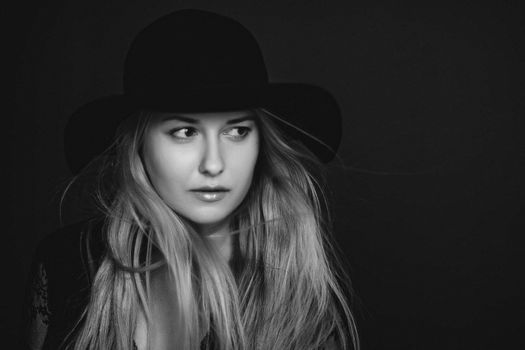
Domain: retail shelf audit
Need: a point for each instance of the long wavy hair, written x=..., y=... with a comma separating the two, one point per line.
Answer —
x=286, y=291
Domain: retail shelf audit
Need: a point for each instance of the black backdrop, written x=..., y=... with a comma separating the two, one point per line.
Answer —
x=428, y=193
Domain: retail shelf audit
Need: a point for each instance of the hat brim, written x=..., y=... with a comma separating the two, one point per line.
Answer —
x=306, y=112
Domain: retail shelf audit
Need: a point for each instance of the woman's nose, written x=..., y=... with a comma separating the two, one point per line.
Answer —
x=211, y=163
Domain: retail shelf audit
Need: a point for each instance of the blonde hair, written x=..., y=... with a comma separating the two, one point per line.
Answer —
x=285, y=295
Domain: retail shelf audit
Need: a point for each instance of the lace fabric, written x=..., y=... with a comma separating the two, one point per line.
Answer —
x=39, y=313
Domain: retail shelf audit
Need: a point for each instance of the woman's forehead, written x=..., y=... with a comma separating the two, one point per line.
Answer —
x=226, y=117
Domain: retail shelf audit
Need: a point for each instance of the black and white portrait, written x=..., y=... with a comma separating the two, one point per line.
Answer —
x=264, y=175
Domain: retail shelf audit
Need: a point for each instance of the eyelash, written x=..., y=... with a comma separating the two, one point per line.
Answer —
x=246, y=130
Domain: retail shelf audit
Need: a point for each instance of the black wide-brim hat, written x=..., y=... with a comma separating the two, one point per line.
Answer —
x=198, y=61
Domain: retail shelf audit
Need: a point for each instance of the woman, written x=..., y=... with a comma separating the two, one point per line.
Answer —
x=213, y=232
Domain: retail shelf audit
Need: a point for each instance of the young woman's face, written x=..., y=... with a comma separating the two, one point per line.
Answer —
x=202, y=164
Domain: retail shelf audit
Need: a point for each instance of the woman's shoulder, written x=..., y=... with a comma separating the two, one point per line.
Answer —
x=60, y=281
x=70, y=256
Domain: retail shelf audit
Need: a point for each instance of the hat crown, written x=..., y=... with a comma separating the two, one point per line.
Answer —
x=192, y=49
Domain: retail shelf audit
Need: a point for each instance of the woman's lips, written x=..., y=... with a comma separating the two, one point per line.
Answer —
x=210, y=195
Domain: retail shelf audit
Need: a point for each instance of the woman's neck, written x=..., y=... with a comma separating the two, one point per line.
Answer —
x=220, y=236
x=223, y=243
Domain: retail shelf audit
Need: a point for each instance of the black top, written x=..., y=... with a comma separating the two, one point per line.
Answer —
x=62, y=270
x=59, y=285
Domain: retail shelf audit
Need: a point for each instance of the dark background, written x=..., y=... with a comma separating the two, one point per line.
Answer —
x=428, y=192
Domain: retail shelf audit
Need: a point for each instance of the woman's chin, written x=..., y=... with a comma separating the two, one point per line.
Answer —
x=208, y=222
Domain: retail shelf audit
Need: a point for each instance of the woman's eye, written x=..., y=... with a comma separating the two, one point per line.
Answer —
x=238, y=132
x=183, y=133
